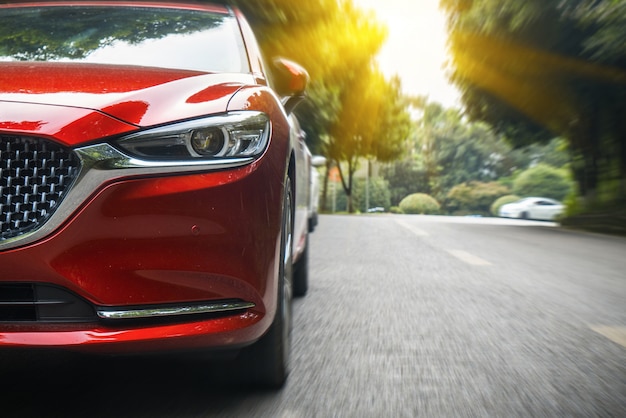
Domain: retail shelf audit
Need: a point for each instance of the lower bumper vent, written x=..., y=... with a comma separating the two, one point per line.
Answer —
x=33, y=302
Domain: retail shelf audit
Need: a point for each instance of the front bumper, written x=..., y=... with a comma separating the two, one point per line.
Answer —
x=139, y=250
x=232, y=331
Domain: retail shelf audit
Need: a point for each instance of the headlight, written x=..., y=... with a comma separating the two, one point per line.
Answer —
x=232, y=135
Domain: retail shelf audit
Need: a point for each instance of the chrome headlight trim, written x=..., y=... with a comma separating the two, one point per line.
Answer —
x=229, y=135
x=104, y=158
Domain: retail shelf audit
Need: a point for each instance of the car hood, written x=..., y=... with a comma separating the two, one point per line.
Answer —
x=78, y=103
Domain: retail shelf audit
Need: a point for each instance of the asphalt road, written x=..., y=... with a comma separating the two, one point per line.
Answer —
x=406, y=316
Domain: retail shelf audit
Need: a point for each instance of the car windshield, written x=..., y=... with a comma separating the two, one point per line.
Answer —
x=155, y=37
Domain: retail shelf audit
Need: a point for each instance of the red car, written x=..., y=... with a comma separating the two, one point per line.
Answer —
x=154, y=187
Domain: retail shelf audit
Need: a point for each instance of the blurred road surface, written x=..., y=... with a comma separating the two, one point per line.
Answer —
x=406, y=316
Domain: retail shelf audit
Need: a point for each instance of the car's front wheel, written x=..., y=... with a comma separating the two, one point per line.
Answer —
x=267, y=361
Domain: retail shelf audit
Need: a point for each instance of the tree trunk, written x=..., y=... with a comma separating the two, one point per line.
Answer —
x=585, y=142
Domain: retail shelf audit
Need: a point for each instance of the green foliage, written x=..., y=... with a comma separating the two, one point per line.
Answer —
x=543, y=180
x=404, y=177
x=507, y=181
x=474, y=197
x=608, y=18
x=535, y=69
x=395, y=209
x=452, y=151
x=378, y=195
x=419, y=203
x=572, y=205
x=332, y=40
x=449, y=151
x=495, y=207
x=352, y=112
x=554, y=153
x=373, y=125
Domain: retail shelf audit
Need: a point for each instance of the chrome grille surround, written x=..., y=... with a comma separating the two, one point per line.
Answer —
x=35, y=176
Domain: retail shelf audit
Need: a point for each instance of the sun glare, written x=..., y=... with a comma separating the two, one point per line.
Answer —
x=524, y=78
x=416, y=46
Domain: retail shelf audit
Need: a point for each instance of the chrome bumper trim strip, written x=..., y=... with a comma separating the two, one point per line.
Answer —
x=166, y=311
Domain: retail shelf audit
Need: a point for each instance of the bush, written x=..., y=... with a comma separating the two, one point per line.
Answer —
x=495, y=207
x=419, y=203
x=543, y=181
x=474, y=197
x=395, y=209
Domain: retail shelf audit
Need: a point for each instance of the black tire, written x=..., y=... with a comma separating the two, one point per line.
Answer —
x=524, y=215
x=301, y=273
x=266, y=362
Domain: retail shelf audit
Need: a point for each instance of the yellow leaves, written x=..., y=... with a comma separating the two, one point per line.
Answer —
x=532, y=81
x=329, y=46
x=337, y=44
x=370, y=122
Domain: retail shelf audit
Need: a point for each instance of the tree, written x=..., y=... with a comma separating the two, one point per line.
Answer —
x=352, y=112
x=378, y=195
x=372, y=123
x=452, y=151
x=404, y=177
x=332, y=40
x=538, y=69
x=554, y=153
x=543, y=180
x=474, y=197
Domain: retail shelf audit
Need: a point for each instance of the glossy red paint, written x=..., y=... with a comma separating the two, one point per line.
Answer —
x=64, y=78
x=219, y=332
x=143, y=97
x=168, y=239
x=67, y=125
x=125, y=243
x=164, y=240
x=154, y=239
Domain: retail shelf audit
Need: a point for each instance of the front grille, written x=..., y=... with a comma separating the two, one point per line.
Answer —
x=35, y=175
x=34, y=302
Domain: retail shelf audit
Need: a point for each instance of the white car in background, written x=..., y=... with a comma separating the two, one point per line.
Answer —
x=539, y=208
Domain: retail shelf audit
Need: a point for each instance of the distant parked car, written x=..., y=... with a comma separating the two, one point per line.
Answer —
x=540, y=208
x=377, y=209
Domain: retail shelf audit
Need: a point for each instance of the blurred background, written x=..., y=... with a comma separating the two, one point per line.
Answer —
x=471, y=103
x=447, y=107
